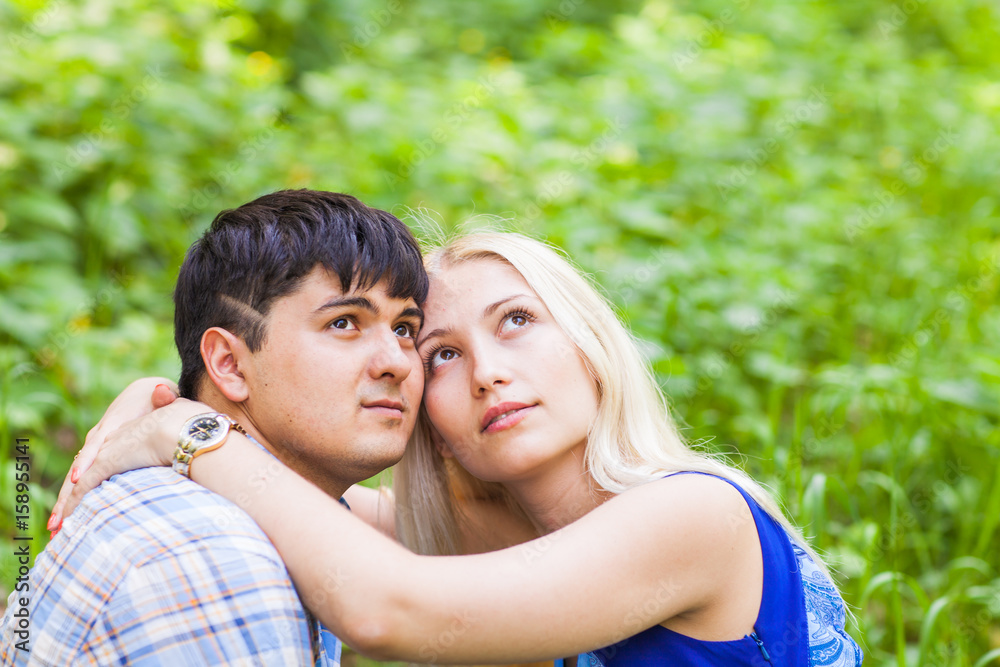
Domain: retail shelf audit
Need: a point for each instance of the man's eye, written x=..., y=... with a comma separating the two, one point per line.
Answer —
x=404, y=330
x=342, y=323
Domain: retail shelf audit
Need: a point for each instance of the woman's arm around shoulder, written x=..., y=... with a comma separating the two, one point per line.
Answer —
x=663, y=550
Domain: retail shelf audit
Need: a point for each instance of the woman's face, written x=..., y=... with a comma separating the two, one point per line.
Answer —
x=505, y=388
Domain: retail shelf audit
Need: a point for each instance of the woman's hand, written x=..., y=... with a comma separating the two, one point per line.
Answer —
x=138, y=399
x=149, y=440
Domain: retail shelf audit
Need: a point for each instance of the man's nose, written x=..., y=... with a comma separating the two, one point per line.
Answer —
x=388, y=358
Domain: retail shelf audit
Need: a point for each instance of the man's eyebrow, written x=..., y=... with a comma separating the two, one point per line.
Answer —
x=348, y=301
x=413, y=311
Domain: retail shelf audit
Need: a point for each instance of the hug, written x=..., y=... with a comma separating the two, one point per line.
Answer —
x=544, y=505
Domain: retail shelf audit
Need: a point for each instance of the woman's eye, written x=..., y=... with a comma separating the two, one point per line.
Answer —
x=404, y=330
x=343, y=323
x=514, y=322
x=439, y=357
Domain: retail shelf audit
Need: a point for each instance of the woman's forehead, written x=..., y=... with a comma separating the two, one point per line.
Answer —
x=461, y=290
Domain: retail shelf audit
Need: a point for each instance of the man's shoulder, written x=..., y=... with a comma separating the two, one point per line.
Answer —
x=145, y=513
x=144, y=559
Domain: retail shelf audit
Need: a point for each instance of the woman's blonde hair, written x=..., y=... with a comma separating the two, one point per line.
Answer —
x=632, y=441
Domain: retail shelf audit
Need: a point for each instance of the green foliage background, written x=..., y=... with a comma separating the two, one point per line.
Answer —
x=794, y=203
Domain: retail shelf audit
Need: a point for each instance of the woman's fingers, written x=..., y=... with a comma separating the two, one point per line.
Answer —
x=136, y=400
x=55, y=520
x=91, y=446
x=139, y=398
x=87, y=481
x=146, y=441
x=163, y=395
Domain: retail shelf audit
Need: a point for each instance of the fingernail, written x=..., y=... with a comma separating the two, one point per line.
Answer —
x=75, y=475
x=164, y=386
x=52, y=534
x=52, y=521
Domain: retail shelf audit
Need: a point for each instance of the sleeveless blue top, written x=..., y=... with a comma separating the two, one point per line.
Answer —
x=800, y=623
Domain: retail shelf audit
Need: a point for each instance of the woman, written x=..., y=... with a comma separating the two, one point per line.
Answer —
x=537, y=398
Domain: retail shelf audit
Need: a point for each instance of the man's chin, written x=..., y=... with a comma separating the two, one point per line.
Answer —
x=373, y=460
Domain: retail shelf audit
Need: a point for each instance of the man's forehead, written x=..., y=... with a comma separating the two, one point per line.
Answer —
x=321, y=278
x=323, y=286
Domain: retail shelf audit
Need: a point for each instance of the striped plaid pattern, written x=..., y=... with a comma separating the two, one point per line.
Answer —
x=153, y=569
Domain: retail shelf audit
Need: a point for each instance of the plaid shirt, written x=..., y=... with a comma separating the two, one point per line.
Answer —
x=153, y=569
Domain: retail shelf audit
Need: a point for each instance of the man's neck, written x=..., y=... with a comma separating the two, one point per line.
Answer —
x=236, y=411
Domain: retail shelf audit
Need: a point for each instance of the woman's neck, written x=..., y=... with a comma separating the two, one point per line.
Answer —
x=559, y=495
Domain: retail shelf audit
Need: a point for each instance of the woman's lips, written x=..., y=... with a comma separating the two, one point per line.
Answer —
x=504, y=416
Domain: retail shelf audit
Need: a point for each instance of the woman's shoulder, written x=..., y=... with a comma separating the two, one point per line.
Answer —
x=700, y=495
x=709, y=513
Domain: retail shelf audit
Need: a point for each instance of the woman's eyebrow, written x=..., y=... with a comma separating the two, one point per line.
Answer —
x=490, y=309
x=437, y=333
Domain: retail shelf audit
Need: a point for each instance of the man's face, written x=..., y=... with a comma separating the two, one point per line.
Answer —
x=336, y=387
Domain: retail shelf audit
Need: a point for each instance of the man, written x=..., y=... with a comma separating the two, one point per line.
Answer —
x=296, y=317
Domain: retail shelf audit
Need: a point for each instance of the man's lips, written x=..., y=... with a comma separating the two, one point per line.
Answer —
x=504, y=415
x=385, y=407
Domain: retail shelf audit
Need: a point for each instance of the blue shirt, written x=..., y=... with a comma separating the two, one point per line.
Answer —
x=800, y=623
x=153, y=569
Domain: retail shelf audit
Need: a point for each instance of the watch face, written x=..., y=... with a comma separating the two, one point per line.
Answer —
x=204, y=428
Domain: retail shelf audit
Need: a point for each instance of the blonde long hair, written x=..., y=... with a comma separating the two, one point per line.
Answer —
x=632, y=441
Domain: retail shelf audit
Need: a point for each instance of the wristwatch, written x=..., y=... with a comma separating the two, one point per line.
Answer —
x=200, y=434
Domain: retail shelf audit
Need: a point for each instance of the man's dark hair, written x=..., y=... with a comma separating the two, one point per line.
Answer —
x=262, y=251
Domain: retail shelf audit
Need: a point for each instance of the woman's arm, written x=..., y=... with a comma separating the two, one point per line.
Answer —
x=626, y=566
x=672, y=547
x=668, y=548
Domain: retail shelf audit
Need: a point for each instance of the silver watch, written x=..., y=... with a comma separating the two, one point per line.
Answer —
x=200, y=435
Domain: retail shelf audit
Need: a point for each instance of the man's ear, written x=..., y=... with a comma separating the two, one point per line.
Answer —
x=439, y=444
x=223, y=352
